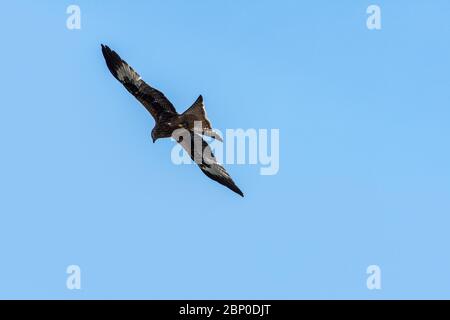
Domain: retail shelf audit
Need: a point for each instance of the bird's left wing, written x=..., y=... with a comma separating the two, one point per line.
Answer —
x=200, y=152
x=152, y=99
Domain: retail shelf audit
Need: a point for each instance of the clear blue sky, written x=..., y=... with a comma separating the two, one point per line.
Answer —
x=364, y=159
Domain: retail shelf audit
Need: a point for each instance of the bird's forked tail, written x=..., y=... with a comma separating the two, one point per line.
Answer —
x=197, y=114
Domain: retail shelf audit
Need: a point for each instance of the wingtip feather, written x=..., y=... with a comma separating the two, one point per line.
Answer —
x=238, y=191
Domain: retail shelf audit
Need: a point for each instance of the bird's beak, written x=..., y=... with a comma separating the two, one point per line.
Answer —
x=153, y=139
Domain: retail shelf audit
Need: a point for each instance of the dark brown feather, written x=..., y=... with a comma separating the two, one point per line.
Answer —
x=152, y=99
x=200, y=152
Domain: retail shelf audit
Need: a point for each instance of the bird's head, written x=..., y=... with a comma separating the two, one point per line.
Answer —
x=160, y=131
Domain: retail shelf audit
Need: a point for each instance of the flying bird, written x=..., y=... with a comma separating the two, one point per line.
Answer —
x=168, y=120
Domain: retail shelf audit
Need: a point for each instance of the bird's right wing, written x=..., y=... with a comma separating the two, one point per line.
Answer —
x=152, y=99
x=200, y=152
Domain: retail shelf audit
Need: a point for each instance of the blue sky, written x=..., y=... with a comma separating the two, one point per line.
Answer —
x=364, y=160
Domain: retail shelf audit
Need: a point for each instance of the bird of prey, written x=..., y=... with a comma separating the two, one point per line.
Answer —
x=168, y=120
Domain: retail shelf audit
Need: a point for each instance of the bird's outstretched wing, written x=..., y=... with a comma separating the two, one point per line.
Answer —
x=201, y=154
x=152, y=99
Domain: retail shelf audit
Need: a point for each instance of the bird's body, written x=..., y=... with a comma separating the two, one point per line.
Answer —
x=193, y=122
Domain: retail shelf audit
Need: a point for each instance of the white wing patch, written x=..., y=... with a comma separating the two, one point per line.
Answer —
x=125, y=71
